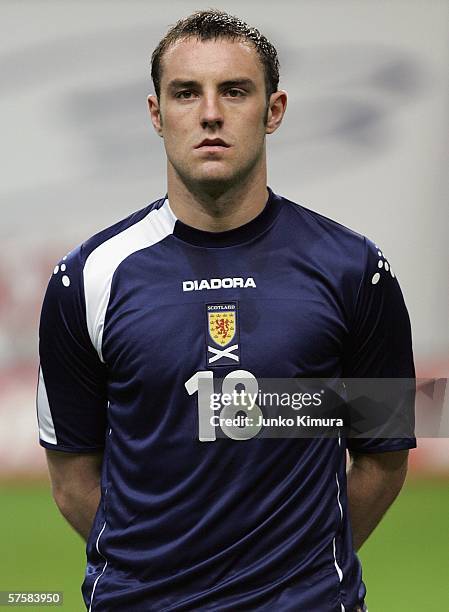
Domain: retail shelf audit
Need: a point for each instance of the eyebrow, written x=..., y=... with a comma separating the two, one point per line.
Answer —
x=239, y=82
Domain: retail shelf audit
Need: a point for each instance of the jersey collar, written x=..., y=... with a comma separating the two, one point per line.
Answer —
x=231, y=237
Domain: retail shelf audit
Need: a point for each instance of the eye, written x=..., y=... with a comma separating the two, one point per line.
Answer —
x=235, y=93
x=184, y=95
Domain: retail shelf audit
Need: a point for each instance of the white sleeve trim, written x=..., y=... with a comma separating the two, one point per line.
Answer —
x=44, y=418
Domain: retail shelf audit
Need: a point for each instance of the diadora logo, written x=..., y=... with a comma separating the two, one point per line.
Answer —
x=218, y=283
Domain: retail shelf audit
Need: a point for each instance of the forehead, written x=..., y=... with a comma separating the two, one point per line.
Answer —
x=222, y=58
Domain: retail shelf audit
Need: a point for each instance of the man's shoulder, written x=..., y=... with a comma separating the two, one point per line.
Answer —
x=109, y=246
x=119, y=227
x=325, y=239
x=315, y=222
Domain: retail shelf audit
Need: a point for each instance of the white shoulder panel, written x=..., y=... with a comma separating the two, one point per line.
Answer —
x=105, y=259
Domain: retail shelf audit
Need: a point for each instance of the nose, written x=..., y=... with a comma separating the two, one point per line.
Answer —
x=211, y=113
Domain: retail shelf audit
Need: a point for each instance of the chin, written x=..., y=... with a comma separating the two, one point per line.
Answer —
x=214, y=177
x=211, y=177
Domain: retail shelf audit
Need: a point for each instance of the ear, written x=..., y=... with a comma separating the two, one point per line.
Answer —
x=155, y=114
x=276, y=110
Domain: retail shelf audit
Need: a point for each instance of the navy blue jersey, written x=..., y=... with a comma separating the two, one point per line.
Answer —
x=131, y=320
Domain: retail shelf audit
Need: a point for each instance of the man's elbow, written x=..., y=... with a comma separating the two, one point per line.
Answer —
x=397, y=479
x=389, y=467
x=70, y=500
x=65, y=500
x=75, y=478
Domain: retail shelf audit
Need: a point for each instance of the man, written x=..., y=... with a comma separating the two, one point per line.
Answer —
x=218, y=278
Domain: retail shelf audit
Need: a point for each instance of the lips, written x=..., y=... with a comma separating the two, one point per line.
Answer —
x=213, y=142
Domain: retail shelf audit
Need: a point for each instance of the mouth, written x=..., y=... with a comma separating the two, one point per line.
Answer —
x=212, y=144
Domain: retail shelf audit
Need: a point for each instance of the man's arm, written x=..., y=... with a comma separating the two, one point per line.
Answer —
x=75, y=480
x=374, y=481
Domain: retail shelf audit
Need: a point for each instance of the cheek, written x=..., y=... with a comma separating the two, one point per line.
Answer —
x=252, y=121
x=250, y=131
x=176, y=133
x=174, y=118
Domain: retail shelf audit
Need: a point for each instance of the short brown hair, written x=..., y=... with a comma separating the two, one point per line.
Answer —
x=211, y=25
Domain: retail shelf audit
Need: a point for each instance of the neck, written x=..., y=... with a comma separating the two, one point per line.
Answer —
x=220, y=210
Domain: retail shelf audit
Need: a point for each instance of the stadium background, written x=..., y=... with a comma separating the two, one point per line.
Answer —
x=364, y=141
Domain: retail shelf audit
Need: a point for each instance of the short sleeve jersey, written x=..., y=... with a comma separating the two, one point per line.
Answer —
x=131, y=319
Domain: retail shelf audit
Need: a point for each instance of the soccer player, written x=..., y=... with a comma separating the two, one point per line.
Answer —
x=218, y=278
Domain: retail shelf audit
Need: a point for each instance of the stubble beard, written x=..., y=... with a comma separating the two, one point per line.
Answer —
x=213, y=186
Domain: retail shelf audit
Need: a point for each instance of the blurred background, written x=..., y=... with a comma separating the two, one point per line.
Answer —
x=364, y=141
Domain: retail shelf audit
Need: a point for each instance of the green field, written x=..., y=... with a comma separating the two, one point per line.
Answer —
x=406, y=561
